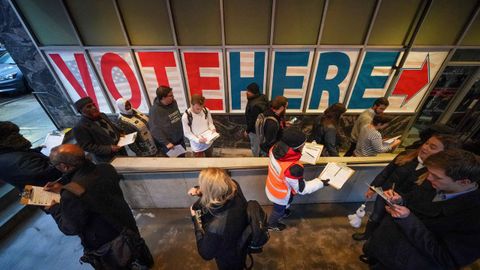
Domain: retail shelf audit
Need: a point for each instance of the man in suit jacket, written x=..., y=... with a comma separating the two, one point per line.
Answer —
x=436, y=228
x=95, y=133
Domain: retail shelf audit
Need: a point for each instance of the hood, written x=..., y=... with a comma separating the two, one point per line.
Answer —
x=282, y=152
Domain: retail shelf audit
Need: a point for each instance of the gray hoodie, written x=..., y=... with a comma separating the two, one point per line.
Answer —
x=165, y=123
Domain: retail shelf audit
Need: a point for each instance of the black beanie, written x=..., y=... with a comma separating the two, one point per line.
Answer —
x=253, y=88
x=79, y=104
x=293, y=137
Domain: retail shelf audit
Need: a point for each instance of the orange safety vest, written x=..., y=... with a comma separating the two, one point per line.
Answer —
x=276, y=183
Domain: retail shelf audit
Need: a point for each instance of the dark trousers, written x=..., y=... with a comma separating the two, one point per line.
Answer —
x=350, y=150
x=378, y=210
x=278, y=211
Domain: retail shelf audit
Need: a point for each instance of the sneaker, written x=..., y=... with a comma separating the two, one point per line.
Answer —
x=359, y=236
x=277, y=227
x=287, y=213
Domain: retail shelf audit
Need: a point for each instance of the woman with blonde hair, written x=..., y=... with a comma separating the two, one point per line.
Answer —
x=403, y=175
x=219, y=218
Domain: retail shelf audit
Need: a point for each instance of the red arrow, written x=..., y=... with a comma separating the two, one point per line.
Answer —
x=412, y=80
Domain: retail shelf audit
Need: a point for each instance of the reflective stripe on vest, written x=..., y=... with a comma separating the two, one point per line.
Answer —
x=276, y=182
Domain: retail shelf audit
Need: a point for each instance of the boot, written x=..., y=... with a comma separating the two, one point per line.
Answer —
x=369, y=229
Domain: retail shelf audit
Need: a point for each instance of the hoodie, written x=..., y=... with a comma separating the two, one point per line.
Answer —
x=165, y=123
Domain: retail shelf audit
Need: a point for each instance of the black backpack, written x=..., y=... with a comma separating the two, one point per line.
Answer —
x=255, y=235
x=260, y=126
x=190, y=116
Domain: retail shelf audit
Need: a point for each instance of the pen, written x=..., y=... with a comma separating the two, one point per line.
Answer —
x=309, y=154
x=393, y=187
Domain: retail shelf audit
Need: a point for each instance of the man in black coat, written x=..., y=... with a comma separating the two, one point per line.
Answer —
x=92, y=206
x=273, y=125
x=437, y=229
x=95, y=133
x=20, y=165
x=257, y=103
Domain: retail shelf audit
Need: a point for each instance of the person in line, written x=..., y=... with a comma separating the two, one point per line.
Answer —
x=92, y=207
x=196, y=120
x=432, y=230
x=165, y=121
x=273, y=125
x=370, y=142
x=406, y=172
x=95, y=133
x=131, y=120
x=285, y=176
x=365, y=118
x=219, y=218
x=325, y=129
x=257, y=104
x=21, y=165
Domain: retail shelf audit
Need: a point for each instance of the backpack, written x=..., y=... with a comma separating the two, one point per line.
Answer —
x=260, y=126
x=255, y=235
x=190, y=116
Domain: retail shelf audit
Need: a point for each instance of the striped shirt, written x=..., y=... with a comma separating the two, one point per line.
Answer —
x=370, y=143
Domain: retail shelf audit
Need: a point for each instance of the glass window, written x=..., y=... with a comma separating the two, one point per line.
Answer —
x=473, y=34
x=48, y=21
x=146, y=22
x=447, y=86
x=467, y=113
x=97, y=22
x=197, y=22
x=297, y=22
x=347, y=22
x=444, y=23
x=394, y=20
x=466, y=55
x=247, y=22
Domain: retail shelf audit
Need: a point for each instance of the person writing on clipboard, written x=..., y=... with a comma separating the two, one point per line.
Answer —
x=197, y=120
x=285, y=176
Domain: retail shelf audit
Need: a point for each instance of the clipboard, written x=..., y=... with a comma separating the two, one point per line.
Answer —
x=33, y=195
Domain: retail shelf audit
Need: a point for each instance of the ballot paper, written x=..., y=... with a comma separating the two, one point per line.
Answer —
x=380, y=193
x=391, y=140
x=33, y=195
x=127, y=139
x=337, y=173
x=311, y=152
x=52, y=140
x=176, y=151
x=210, y=135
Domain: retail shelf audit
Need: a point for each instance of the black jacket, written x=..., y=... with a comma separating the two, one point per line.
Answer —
x=436, y=235
x=255, y=106
x=273, y=130
x=98, y=215
x=403, y=176
x=326, y=135
x=92, y=138
x=220, y=231
x=27, y=167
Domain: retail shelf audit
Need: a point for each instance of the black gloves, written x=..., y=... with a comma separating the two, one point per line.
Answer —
x=325, y=182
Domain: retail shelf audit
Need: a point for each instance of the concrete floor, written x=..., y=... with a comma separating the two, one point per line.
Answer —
x=318, y=237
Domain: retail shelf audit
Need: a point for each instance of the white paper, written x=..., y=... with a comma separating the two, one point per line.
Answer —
x=380, y=193
x=311, y=152
x=210, y=135
x=127, y=139
x=391, y=140
x=337, y=174
x=51, y=141
x=42, y=197
x=176, y=151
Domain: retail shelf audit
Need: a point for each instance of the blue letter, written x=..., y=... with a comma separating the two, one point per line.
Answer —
x=237, y=83
x=366, y=80
x=342, y=62
x=280, y=81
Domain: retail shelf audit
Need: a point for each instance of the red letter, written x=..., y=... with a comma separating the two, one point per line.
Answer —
x=193, y=62
x=159, y=61
x=107, y=63
x=83, y=68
